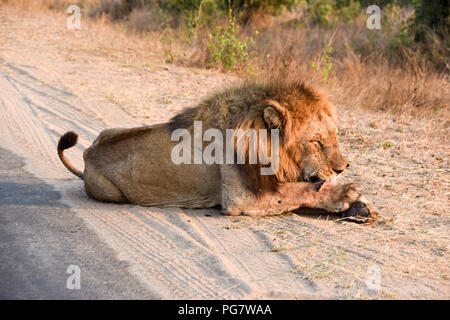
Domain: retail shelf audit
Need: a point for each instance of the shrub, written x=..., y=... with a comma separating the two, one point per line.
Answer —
x=245, y=9
x=325, y=64
x=224, y=46
x=434, y=15
x=320, y=11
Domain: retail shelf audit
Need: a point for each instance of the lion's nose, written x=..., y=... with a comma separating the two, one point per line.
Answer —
x=339, y=170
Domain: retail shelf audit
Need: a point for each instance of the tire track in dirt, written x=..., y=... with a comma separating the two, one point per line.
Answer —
x=179, y=259
x=38, y=143
x=267, y=272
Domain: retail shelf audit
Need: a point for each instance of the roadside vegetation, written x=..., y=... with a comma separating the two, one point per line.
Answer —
x=402, y=68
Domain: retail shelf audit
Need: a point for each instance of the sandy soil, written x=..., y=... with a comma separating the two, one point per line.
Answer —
x=53, y=79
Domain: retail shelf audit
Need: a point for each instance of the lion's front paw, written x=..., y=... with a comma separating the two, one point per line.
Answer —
x=360, y=212
x=339, y=198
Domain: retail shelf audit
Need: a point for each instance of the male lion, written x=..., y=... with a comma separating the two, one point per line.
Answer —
x=135, y=165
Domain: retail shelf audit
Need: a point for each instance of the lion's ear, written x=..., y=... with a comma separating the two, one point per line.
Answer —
x=278, y=117
x=273, y=117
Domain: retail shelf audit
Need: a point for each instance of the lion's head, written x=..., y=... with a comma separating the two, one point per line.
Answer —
x=307, y=121
x=308, y=149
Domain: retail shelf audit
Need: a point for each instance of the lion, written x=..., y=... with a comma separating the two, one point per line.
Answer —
x=135, y=165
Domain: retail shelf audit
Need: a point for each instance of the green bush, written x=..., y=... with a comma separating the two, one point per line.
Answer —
x=329, y=12
x=320, y=11
x=244, y=9
x=325, y=64
x=224, y=46
x=434, y=15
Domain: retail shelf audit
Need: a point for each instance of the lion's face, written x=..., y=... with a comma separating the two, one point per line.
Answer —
x=311, y=150
x=321, y=159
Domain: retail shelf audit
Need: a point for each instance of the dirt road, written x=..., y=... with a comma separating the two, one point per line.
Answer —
x=53, y=80
x=41, y=239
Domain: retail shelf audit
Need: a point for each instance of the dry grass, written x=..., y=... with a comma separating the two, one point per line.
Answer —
x=360, y=73
x=360, y=68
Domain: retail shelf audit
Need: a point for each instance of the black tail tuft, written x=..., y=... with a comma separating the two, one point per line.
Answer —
x=68, y=140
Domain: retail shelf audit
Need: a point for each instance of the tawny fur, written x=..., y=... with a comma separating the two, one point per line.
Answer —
x=134, y=165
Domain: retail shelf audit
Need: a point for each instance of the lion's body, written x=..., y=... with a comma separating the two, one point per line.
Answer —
x=135, y=165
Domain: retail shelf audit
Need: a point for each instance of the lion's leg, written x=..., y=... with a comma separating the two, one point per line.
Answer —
x=100, y=188
x=236, y=199
x=291, y=196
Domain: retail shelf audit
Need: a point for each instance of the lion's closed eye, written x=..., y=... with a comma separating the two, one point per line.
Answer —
x=318, y=143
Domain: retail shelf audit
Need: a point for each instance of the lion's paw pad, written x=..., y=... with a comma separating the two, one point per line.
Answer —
x=358, y=213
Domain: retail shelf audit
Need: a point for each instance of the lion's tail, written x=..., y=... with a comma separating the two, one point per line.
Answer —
x=68, y=140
